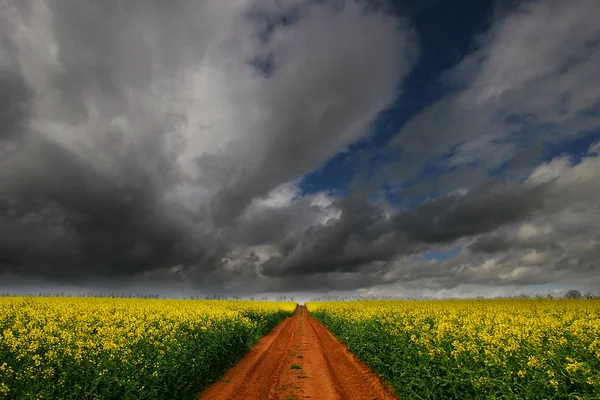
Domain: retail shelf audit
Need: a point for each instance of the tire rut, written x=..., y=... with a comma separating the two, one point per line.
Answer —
x=298, y=359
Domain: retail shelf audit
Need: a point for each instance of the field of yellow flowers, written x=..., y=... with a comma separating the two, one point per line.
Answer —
x=513, y=349
x=105, y=348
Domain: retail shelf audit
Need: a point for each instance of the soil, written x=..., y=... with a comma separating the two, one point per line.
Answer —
x=298, y=359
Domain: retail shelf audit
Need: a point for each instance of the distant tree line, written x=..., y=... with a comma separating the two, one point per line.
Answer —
x=576, y=294
x=571, y=294
x=140, y=296
x=90, y=294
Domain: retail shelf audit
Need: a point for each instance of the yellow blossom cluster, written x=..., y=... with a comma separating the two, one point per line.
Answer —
x=525, y=348
x=131, y=348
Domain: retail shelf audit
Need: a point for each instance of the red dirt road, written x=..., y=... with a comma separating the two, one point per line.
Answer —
x=299, y=359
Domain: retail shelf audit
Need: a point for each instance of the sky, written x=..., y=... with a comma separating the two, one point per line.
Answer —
x=301, y=147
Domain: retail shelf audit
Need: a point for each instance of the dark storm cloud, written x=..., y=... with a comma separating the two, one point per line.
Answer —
x=490, y=244
x=556, y=243
x=361, y=234
x=65, y=214
x=479, y=210
x=537, y=231
x=141, y=142
x=364, y=234
x=319, y=105
x=135, y=135
x=63, y=219
x=14, y=103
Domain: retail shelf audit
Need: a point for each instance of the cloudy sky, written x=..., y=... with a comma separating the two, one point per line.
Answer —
x=375, y=147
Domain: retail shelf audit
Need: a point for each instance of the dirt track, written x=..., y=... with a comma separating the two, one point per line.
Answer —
x=324, y=369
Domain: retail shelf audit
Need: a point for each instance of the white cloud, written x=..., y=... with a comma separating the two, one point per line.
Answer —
x=534, y=258
x=550, y=170
x=529, y=232
x=534, y=77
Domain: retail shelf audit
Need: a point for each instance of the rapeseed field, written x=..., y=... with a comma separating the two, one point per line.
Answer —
x=105, y=348
x=474, y=349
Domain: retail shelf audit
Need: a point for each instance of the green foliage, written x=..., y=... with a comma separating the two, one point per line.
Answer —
x=509, y=349
x=61, y=348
